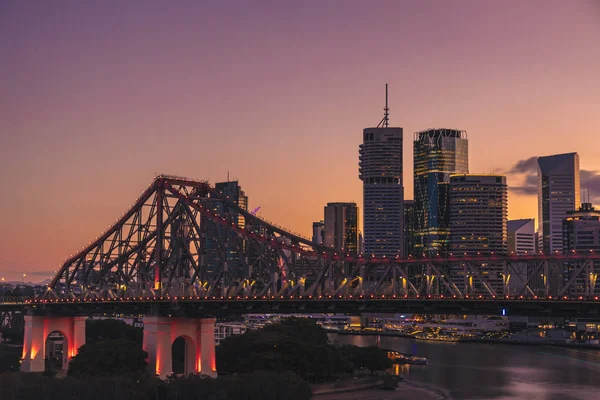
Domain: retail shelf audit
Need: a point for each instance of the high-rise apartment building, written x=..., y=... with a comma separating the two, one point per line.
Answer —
x=558, y=193
x=341, y=226
x=380, y=169
x=409, y=227
x=438, y=153
x=318, y=229
x=521, y=236
x=478, y=225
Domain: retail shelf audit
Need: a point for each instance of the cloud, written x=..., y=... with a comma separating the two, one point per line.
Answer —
x=590, y=180
x=524, y=166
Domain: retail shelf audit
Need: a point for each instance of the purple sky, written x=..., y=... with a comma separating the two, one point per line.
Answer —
x=99, y=96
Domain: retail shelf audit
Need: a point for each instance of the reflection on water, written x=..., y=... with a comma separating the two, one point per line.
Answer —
x=494, y=371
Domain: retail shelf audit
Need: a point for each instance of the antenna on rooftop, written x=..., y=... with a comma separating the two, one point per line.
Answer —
x=385, y=122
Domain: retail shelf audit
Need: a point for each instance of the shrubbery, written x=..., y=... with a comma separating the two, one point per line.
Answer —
x=257, y=385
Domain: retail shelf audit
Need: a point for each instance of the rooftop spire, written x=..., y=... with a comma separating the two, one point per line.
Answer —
x=385, y=122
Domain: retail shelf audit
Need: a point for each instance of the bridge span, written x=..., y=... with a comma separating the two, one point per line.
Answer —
x=184, y=254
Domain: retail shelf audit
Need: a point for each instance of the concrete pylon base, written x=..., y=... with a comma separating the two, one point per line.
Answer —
x=199, y=335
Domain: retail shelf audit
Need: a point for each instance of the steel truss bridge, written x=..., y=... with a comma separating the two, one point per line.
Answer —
x=182, y=242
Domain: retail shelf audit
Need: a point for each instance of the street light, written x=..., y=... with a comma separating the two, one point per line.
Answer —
x=24, y=275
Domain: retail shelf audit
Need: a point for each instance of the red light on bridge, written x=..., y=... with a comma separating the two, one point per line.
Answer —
x=596, y=298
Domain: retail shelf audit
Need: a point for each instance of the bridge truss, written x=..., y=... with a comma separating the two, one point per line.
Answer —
x=184, y=238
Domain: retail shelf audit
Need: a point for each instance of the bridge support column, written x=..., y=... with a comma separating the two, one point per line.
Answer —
x=33, y=345
x=199, y=335
x=37, y=330
x=208, y=362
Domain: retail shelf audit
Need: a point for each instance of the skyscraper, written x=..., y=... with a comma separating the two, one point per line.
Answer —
x=521, y=236
x=234, y=193
x=478, y=222
x=558, y=193
x=341, y=226
x=438, y=153
x=380, y=169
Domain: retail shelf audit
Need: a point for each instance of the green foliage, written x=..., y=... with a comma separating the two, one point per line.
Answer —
x=109, y=358
x=259, y=385
x=10, y=357
x=111, y=329
x=298, y=345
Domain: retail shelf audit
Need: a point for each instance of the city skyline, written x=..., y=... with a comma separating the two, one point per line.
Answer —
x=97, y=103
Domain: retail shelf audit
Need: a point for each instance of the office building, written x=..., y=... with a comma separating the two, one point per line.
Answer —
x=380, y=169
x=521, y=236
x=478, y=225
x=558, y=193
x=318, y=229
x=341, y=226
x=438, y=153
x=581, y=230
x=409, y=227
x=581, y=234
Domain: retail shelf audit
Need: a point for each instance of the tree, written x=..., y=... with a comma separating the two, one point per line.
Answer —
x=10, y=357
x=109, y=358
x=112, y=329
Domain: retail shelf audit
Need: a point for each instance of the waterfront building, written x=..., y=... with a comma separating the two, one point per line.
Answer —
x=558, y=193
x=409, y=227
x=318, y=229
x=438, y=153
x=341, y=226
x=521, y=236
x=478, y=225
x=380, y=169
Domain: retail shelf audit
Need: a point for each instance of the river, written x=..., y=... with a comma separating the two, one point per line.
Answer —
x=495, y=371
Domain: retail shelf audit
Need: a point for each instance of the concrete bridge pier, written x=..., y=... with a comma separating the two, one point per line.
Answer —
x=37, y=330
x=199, y=335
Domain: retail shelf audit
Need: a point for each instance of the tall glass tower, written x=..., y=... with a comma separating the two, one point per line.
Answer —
x=558, y=193
x=380, y=169
x=438, y=153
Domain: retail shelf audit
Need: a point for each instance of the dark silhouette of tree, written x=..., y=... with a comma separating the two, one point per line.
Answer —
x=298, y=345
x=109, y=358
x=10, y=357
x=111, y=329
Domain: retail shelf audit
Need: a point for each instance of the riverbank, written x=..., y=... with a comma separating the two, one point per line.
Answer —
x=406, y=390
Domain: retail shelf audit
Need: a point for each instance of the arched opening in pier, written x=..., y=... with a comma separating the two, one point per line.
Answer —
x=183, y=355
x=56, y=347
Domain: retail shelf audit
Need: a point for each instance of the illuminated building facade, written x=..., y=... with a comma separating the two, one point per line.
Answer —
x=558, y=193
x=438, y=153
x=341, y=226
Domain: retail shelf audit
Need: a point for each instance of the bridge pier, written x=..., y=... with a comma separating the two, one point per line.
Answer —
x=199, y=335
x=37, y=330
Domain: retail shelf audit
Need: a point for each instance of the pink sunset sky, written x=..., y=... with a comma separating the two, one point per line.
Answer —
x=98, y=97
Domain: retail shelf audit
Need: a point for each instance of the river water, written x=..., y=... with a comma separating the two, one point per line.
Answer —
x=495, y=371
